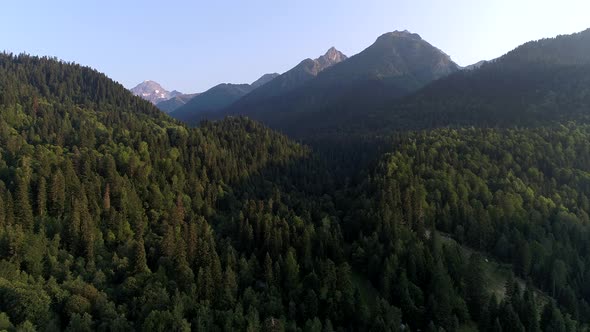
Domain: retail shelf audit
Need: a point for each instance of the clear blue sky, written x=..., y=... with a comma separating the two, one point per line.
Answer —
x=193, y=45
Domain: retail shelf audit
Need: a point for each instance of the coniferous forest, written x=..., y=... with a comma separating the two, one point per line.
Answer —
x=116, y=217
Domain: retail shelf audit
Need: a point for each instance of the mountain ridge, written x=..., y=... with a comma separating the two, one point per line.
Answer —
x=218, y=97
x=536, y=83
x=175, y=102
x=298, y=75
x=396, y=64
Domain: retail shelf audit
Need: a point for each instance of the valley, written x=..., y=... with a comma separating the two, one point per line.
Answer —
x=390, y=190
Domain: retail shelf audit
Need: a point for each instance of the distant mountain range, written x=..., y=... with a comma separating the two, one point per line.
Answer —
x=297, y=76
x=397, y=64
x=217, y=98
x=537, y=83
x=268, y=86
x=271, y=85
x=175, y=102
x=400, y=81
x=214, y=98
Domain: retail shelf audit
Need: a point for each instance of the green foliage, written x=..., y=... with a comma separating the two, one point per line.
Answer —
x=115, y=217
x=5, y=323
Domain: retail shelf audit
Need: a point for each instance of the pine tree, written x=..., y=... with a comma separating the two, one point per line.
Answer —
x=57, y=194
x=168, y=243
x=552, y=318
x=497, y=326
x=253, y=321
x=41, y=197
x=138, y=260
x=230, y=288
x=442, y=297
x=291, y=271
x=2, y=211
x=72, y=231
x=23, y=211
x=178, y=213
x=9, y=209
x=529, y=316
x=509, y=318
x=106, y=200
x=476, y=286
x=205, y=284
x=268, y=272
x=191, y=239
x=87, y=231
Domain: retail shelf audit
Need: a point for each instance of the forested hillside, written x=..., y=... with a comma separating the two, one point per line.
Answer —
x=536, y=84
x=519, y=195
x=216, y=99
x=396, y=64
x=113, y=216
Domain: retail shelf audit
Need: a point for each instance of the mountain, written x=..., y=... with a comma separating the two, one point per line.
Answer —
x=475, y=65
x=224, y=95
x=264, y=80
x=175, y=102
x=536, y=83
x=297, y=76
x=401, y=57
x=217, y=98
x=397, y=64
x=212, y=100
x=153, y=92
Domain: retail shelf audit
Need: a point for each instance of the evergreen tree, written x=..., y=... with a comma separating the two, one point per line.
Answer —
x=57, y=194
x=476, y=287
x=41, y=197
x=23, y=210
x=138, y=261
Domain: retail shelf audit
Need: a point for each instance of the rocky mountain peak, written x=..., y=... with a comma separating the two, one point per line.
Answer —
x=392, y=36
x=152, y=91
x=332, y=57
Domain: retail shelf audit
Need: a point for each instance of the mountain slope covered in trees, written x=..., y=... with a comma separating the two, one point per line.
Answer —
x=305, y=71
x=535, y=84
x=396, y=64
x=113, y=216
x=217, y=98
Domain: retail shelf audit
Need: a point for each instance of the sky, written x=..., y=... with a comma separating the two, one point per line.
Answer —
x=193, y=45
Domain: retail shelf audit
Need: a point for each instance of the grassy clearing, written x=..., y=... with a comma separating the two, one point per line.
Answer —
x=496, y=273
